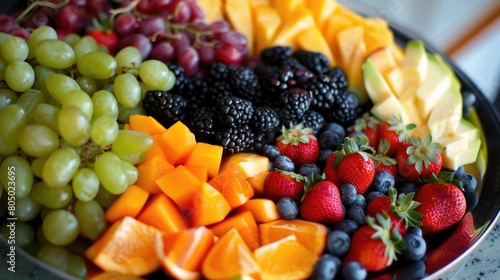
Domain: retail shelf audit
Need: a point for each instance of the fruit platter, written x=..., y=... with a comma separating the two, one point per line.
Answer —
x=237, y=139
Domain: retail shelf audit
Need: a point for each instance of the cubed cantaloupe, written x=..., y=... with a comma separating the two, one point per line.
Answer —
x=233, y=186
x=198, y=171
x=149, y=171
x=287, y=7
x=206, y=155
x=177, y=142
x=266, y=21
x=212, y=9
x=312, y=40
x=180, y=185
x=209, y=206
x=321, y=10
x=155, y=150
x=239, y=15
x=298, y=21
x=331, y=29
x=146, y=124
x=162, y=213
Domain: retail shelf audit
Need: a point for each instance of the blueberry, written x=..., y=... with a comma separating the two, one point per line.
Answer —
x=326, y=268
x=348, y=194
x=414, y=270
x=469, y=182
x=469, y=99
x=471, y=199
x=310, y=168
x=335, y=127
x=271, y=151
x=415, y=247
x=329, y=140
x=284, y=163
x=360, y=201
x=357, y=214
x=323, y=155
x=287, y=208
x=354, y=271
x=407, y=187
x=337, y=243
x=347, y=226
x=373, y=194
x=415, y=230
x=382, y=181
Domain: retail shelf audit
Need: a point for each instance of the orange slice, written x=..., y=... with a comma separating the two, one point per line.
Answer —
x=263, y=209
x=244, y=223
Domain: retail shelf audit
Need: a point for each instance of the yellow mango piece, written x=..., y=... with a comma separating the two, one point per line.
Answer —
x=321, y=10
x=312, y=40
x=331, y=29
x=212, y=9
x=355, y=18
x=239, y=15
x=259, y=3
x=266, y=23
x=299, y=21
x=287, y=7
x=377, y=34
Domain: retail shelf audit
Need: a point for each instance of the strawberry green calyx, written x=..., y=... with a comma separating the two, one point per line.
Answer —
x=364, y=122
x=392, y=239
x=381, y=156
x=404, y=207
x=444, y=177
x=296, y=134
x=310, y=181
x=423, y=153
x=400, y=128
x=350, y=146
x=293, y=175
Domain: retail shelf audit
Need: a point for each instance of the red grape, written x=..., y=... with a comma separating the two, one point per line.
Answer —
x=206, y=54
x=20, y=32
x=95, y=8
x=151, y=25
x=228, y=54
x=146, y=7
x=163, y=51
x=79, y=3
x=235, y=39
x=70, y=18
x=180, y=11
x=181, y=42
x=189, y=60
x=125, y=24
x=140, y=41
x=38, y=18
x=160, y=5
x=219, y=27
x=196, y=12
x=7, y=23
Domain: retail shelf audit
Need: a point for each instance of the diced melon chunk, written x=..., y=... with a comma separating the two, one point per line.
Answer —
x=239, y=14
x=299, y=21
x=383, y=60
x=415, y=63
x=395, y=80
x=321, y=10
x=312, y=40
x=384, y=110
x=266, y=22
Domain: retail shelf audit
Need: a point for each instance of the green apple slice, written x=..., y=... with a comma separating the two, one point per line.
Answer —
x=375, y=84
x=415, y=63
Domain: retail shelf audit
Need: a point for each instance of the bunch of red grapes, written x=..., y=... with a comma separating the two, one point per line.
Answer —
x=168, y=30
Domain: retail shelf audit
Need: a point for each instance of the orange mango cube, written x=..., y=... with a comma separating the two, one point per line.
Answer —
x=177, y=142
x=233, y=186
x=129, y=203
x=161, y=212
x=146, y=124
x=206, y=155
x=149, y=171
x=209, y=206
x=263, y=210
x=244, y=223
x=180, y=185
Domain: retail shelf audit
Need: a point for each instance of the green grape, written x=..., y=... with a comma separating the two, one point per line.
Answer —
x=124, y=113
x=90, y=218
x=12, y=119
x=80, y=99
x=87, y=84
x=85, y=184
x=47, y=115
x=104, y=130
x=3, y=65
x=19, y=76
x=97, y=65
x=28, y=100
x=110, y=173
x=156, y=75
x=38, y=141
x=76, y=266
x=14, y=49
x=127, y=90
x=131, y=171
x=144, y=89
x=131, y=142
x=45, y=211
x=38, y=35
x=128, y=60
x=27, y=209
x=53, y=198
x=60, y=227
x=72, y=38
x=104, y=103
x=37, y=166
x=16, y=176
x=59, y=85
x=60, y=167
x=85, y=45
x=73, y=126
x=7, y=97
x=134, y=158
x=104, y=197
x=55, y=53
x=25, y=234
x=41, y=74
x=62, y=259
x=3, y=37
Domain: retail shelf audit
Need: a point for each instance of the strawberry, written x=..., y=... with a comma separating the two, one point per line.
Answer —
x=375, y=245
x=419, y=159
x=109, y=39
x=368, y=125
x=459, y=240
x=400, y=209
x=329, y=171
x=354, y=165
x=279, y=184
x=442, y=203
x=321, y=202
x=299, y=144
x=382, y=161
x=395, y=132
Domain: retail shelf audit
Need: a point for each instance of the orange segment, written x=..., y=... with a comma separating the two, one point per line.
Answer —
x=286, y=258
x=149, y=171
x=312, y=235
x=206, y=155
x=180, y=185
x=263, y=209
x=257, y=182
x=209, y=206
x=181, y=254
x=233, y=186
x=177, y=142
x=162, y=213
x=128, y=203
x=146, y=124
x=244, y=223
x=230, y=257
x=126, y=247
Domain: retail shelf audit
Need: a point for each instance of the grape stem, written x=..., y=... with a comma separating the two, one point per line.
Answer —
x=115, y=12
x=36, y=4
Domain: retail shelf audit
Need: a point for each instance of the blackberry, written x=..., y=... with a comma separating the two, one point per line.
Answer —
x=218, y=90
x=203, y=124
x=275, y=81
x=338, y=78
x=235, y=139
x=195, y=92
x=314, y=120
x=294, y=103
x=245, y=84
x=345, y=109
x=265, y=119
x=234, y=111
x=276, y=55
x=180, y=78
x=165, y=107
x=316, y=62
x=323, y=90
x=218, y=71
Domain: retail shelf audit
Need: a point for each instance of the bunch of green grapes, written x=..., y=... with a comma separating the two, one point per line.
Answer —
x=62, y=104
